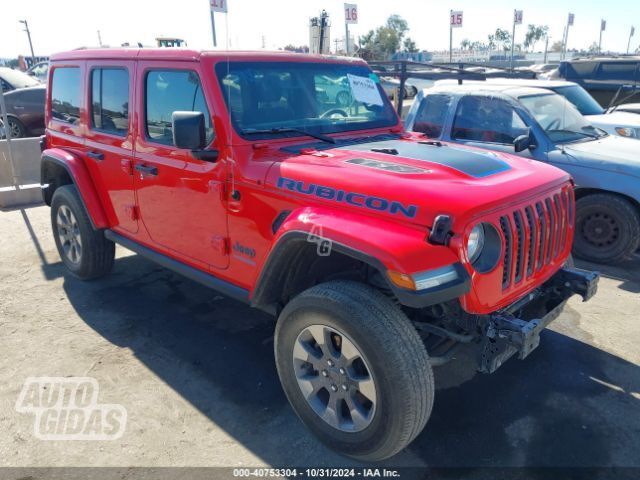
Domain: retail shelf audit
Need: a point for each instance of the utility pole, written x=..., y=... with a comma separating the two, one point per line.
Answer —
x=450, y=36
x=633, y=30
x=99, y=38
x=26, y=29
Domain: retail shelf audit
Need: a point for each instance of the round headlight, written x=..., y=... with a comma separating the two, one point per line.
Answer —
x=475, y=243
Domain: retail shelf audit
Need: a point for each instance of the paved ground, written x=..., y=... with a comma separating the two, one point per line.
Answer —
x=195, y=373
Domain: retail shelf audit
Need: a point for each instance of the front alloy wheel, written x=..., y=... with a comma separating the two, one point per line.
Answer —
x=334, y=378
x=354, y=369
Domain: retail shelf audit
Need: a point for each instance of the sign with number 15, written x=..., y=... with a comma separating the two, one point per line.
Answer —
x=456, y=19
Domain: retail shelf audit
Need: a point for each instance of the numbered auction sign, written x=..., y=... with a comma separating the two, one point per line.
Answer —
x=350, y=13
x=219, y=6
x=456, y=19
x=517, y=17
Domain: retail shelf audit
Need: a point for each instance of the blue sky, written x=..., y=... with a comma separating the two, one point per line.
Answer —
x=66, y=24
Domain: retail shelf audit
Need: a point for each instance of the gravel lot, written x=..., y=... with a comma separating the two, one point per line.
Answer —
x=195, y=373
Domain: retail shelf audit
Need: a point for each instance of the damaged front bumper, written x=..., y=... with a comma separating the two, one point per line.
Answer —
x=516, y=329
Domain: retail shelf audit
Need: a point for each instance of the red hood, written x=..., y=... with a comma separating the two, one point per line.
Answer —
x=413, y=182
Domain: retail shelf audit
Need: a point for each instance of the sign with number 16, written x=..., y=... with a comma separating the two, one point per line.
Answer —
x=219, y=6
x=350, y=13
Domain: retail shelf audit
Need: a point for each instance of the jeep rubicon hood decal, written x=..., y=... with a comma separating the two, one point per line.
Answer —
x=473, y=163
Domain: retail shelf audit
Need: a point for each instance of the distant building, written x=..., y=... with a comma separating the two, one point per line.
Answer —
x=320, y=34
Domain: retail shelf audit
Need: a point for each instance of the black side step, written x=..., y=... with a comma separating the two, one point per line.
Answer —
x=194, y=274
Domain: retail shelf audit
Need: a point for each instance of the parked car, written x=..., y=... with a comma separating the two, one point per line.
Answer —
x=614, y=122
x=40, y=71
x=604, y=77
x=391, y=86
x=14, y=79
x=25, y=111
x=544, y=126
x=334, y=90
x=227, y=168
x=627, y=107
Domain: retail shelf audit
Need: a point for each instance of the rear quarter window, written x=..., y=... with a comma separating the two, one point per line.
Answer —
x=65, y=94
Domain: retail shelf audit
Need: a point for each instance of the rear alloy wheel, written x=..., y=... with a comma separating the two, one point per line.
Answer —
x=84, y=250
x=69, y=235
x=354, y=369
x=607, y=228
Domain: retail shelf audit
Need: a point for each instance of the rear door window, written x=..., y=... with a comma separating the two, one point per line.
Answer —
x=168, y=91
x=65, y=94
x=110, y=100
x=432, y=115
x=486, y=119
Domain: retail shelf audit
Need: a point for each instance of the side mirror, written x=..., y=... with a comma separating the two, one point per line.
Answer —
x=524, y=142
x=188, y=130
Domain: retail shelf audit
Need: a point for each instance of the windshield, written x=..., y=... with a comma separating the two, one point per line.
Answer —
x=318, y=98
x=17, y=79
x=559, y=118
x=584, y=102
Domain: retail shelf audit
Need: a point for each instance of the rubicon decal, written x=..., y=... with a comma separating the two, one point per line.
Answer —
x=350, y=198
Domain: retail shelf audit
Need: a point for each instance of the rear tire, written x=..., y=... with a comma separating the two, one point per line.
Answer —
x=385, y=397
x=607, y=228
x=84, y=250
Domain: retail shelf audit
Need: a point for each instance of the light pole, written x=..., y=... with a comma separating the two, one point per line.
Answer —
x=603, y=26
x=26, y=29
x=546, y=48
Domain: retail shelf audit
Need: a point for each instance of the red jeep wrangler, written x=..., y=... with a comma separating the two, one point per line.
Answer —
x=286, y=181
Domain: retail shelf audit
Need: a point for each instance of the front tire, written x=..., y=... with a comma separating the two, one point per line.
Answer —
x=84, y=251
x=16, y=128
x=607, y=228
x=354, y=369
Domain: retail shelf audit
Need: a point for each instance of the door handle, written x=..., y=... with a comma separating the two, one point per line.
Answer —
x=96, y=155
x=147, y=170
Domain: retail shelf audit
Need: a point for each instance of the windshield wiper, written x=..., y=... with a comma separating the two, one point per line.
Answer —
x=256, y=131
x=564, y=130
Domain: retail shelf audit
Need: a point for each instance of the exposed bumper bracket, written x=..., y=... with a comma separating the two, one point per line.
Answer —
x=507, y=335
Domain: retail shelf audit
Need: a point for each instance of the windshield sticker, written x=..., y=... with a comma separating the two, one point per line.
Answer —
x=365, y=90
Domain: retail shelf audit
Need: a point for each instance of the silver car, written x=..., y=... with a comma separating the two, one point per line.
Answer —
x=542, y=125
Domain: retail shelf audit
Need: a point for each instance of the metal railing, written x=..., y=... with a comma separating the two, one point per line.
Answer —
x=405, y=69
